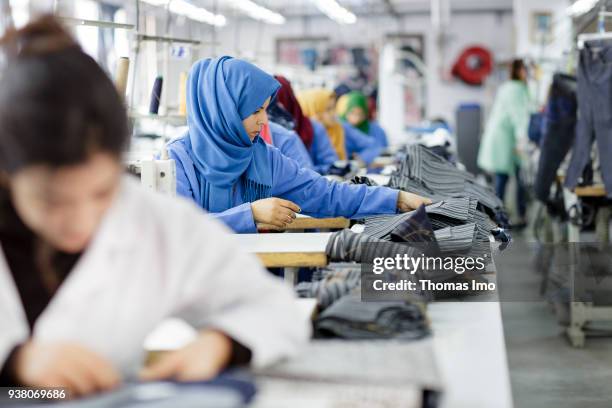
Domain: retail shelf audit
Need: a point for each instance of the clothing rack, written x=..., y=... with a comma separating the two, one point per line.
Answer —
x=601, y=33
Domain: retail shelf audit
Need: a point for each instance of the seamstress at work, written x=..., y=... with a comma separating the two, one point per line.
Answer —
x=352, y=108
x=92, y=261
x=349, y=142
x=225, y=167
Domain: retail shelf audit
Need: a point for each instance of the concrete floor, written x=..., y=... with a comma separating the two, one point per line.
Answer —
x=545, y=371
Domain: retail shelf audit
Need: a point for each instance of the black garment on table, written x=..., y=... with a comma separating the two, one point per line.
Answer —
x=595, y=113
x=416, y=228
x=558, y=132
x=363, y=180
x=350, y=318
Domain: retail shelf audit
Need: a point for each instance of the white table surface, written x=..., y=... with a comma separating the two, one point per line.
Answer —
x=305, y=242
x=471, y=354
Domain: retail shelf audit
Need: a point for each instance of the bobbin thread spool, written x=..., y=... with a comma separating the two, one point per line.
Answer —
x=121, y=76
x=156, y=95
x=183, y=94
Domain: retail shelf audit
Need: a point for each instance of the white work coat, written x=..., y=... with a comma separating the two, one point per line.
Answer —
x=155, y=257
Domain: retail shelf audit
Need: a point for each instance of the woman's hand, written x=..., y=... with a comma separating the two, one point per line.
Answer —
x=274, y=211
x=200, y=360
x=64, y=365
x=409, y=201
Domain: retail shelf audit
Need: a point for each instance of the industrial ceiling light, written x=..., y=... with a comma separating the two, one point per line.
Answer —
x=257, y=12
x=580, y=7
x=335, y=11
x=185, y=8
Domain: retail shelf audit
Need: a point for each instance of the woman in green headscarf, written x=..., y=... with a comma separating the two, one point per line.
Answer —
x=352, y=108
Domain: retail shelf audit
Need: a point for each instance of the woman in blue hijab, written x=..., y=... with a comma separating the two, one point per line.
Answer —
x=227, y=169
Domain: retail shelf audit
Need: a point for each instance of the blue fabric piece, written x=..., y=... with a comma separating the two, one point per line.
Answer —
x=233, y=390
x=321, y=152
x=316, y=196
x=290, y=144
x=357, y=142
x=221, y=93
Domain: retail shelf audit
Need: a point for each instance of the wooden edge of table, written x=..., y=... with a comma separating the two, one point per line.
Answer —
x=314, y=223
x=591, y=191
x=293, y=259
x=302, y=223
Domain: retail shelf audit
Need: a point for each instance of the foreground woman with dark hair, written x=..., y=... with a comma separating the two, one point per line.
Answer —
x=92, y=262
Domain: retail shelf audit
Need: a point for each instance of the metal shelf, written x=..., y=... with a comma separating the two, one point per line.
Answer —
x=162, y=39
x=172, y=119
x=97, y=23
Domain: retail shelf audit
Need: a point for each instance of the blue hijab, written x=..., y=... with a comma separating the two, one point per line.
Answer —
x=221, y=93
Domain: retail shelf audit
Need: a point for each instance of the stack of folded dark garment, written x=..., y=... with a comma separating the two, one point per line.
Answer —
x=350, y=318
x=412, y=234
x=457, y=224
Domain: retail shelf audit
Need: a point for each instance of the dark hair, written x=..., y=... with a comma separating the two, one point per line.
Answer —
x=57, y=106
x=515, y=69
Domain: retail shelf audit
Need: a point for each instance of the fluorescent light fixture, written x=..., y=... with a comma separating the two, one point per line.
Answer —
x=580, y=7
x=185, y=8
x=335, y=11
x=257, y=12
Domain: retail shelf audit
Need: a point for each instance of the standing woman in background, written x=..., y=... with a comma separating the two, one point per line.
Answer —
x=91, y=261
x=226, y=168
x=313, y=134
x=353, y=109
x=505, y=133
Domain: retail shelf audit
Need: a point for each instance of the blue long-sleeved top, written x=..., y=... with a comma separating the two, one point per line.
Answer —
x=321, y=151
x=290, y=144
x=314, y=194
x=378, y=134
x=359, y=143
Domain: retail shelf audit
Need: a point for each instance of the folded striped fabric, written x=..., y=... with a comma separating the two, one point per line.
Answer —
x=348, y=246
x=457, y=210
x=336, y=283
x=425, y=173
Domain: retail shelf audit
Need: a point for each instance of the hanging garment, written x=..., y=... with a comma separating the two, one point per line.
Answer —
x=350, y=318
x=559, y=124
x=595, y=113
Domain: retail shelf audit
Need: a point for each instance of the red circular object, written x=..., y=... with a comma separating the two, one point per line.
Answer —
x=474, y=65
